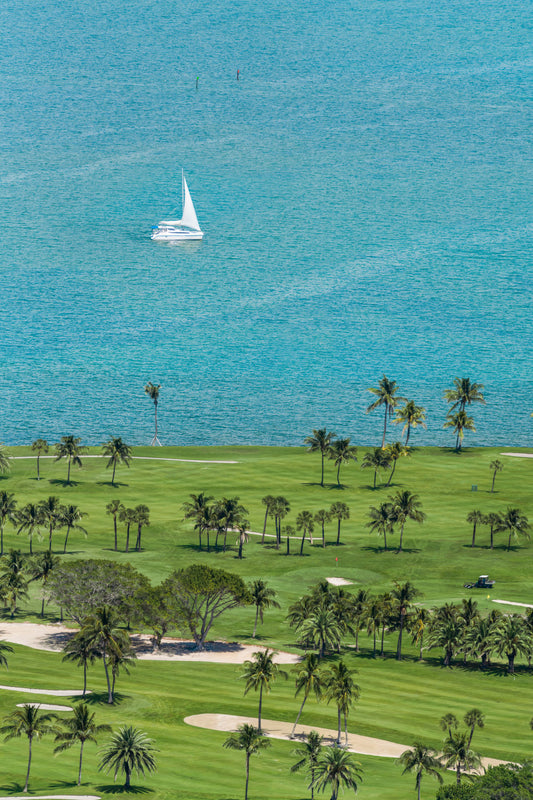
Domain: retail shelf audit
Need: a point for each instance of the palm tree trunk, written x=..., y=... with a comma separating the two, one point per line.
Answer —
x=207, y=534
x=68, y=471
x=492, y=537
x=155, y=414
x=127, y=537
x=29, y=765
x=255, y=624
x=339, y=475
x=392, y=472
x=1, y=539
x=385, y=426
x=346, y=728
x=459, y=774
x=322, y=476
x=109, y=692
x=302, y=544
x=399, y=647
x=401, y=538
x=260, y=704
x=382, y=651
x=247, y=776
x=42, y=608
x=418, y=783
x=116, y=534
x=38, y=475
x=138, y=542
x=81, y=760
x=375, y=476
x=339, y=531
x=338, y=725
x=493, y=479
x=66, y=539
x=84, y=677
x=298, y=717
x=323, y=536
x=384, y=539
x=288, y=546
x=50, y=538
x=126, y=768
x=474, y=535
x=264, y=526
x=114, y=468
x=406, y=443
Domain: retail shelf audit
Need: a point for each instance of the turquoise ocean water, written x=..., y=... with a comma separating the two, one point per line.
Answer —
x=365, y=190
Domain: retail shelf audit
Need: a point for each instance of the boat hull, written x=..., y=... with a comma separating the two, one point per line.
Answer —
x=169, y=235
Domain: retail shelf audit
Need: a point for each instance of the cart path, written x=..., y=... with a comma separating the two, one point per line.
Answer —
x=45, y=706
x=53, y=692
x=362, y=745
x=512, y=603
x=134, y=458
x=518, y=455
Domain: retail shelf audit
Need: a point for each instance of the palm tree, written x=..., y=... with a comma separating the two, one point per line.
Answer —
x=128, y=516
x=69, y=447
x=395, y=451
x=142, y=518
x=41, y=567
x=251, y=741
x=320, y=442
x=449, y=722
x=342, y=452
x=339, y=511
x=262, y=597
x=244, y=537
x=474, y=719
x=232, y=512
x=118, y=452
x=280, y=510
x=268, y=501
x=102, y=632
x=70, y=516
x=457, y=754
x=480, y=639
x=29, y=519
x=512, y=637
x=412, y=416
x=81, y=728
x=114, y=508
x=27, y=721
x=515, y=523
x=494, y=521
x=403, y=596
x=122, y=658
x=81, y=650
x=376, y=459
x=405, y=505
x=381, y=521
x=358, y=612
x=460, y=422
x=322, y=517
x=51, y=515
x=152, y=390
x=5, y=648
x=8, y=513
x=322, y=630
x=475, y=518
x=468, y=615
x=304, y=523
x=5, y=458
x=196, y=509
x=464, y=393
x=496, y=466
x=309, y=755
x=40, y=446
x=259, y=674
x=308, y=679
x=340, y=688
x=128, y=750
x=421, y=760
x=419, y=622
x=448, y=634
x=386, y=397
x=336, y=768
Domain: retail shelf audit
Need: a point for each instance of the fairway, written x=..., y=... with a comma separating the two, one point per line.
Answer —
x=399, y=701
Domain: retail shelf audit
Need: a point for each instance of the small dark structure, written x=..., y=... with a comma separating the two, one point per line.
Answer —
x=482, y=582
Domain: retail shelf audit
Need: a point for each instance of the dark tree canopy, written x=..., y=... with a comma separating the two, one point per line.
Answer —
x=504, y=782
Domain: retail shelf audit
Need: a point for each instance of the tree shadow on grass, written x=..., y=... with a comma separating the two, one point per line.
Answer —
x=63, y=483
x=12, y=788
x=112, y=788
x=100, y=699
x=116, y=485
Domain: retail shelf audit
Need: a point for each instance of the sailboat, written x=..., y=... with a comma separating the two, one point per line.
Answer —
x=185, y=229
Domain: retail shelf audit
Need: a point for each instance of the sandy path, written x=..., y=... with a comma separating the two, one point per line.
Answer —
x=53, y=692
x=54, y=637
x=518, y=455
x=512, y=603
x=363, y=745
x=45, y=706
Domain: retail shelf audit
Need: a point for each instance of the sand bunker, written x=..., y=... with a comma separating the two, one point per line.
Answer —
x=339, y=581
x=52, y=692
x=45, y=706
x=512, y=603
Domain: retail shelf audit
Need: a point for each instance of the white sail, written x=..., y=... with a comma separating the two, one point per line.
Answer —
x=189, y=218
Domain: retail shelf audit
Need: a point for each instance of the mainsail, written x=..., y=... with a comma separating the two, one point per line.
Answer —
x=188, y=218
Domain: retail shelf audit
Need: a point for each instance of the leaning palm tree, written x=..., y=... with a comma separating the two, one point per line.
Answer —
x=320, y=442
x=496, y=466
x=114, y=508
x=8, y=513
x=474, y=719
x=29, y=519
x=128, y=750
x=79, y=728
x=412, y=416
x=386, y=397
x=262, y=597
x=405, y=505
x=339, y=511
x=464, y=393
x=305, y=524
x=309, y=679
x=118, y=452
x=41, y=447
x=457, y=755
x=418, y=626
x=381, y=520
x=460, y=422
x=269, y=502
x=340, y=687
x=515, y=524
x=5, y=458
x=309, y=754
x=30, y=722
x=337, y=768
x=152, y=390
x=376, y=459
x=70, y=517
x=259, y=673
x=342, y=452
x=475, y=518
x=51, y=515
x=395, y=451
x=70, y=448
x=421, y=760
x=251, y=741
x=82, y=651
x=102, y=632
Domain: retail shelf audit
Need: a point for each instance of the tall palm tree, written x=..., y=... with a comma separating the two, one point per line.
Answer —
x=128, y=750
x=386, y=397
x=268, y=501
x=449, y=723
x=304, y=523
x=5, y=459
x=8, y=513
x=496, y=466
x=464, y=393
x=460, y=422
x=395, y=451
x=320, y=442
x=337, y=768
x=358, y=612
x=79, y=728
x=41, y=447
x=341, y=688
x=480, y=639
x=448, y=634
x=467, y=616
x=82, y=651
x=114, y=508
x=102, y=632
x=418, y=626
x=515, y=524
x=152, y=390
x=262, y=597
x=322, y=517
x=339, y=511
x=342, y=452
x=259, y=673
x=494, y=521
x=122, y=658
x=322, y=630
x=421, y=760
x=70, y=448
x=51, y=514
x=41, y=567
x=405, y=505
x=474, y=719
x=251, y=741
x=29, y=519
x=511, y=637
x=118, y=452
x=309, y=679
x=457, y=754
x=475, y=518
x=376, y=459
x=309, y=755
x=27, y=721
x=412, y=416
x=403, y=596
x=195, y=509
x=142, y=518
x=129, y=517
x=70, y=517
x=280, y=510
x=244, y=536
x=381, y=520
x=232, y=512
